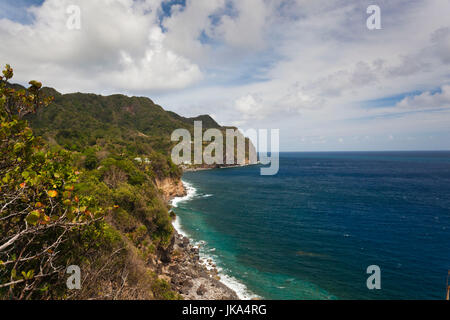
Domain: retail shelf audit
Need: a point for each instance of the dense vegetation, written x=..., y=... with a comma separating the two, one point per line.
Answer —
x=117, y=123
x=78, y=197
x=78, y=186
x=97, y=127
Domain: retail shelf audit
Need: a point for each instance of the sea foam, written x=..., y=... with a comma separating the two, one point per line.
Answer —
x=241, y=290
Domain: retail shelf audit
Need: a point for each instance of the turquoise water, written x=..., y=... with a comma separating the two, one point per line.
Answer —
x=311, y=231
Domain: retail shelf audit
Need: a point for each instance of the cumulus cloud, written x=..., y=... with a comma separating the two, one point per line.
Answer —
x=158, y=68
x=245, y=29
x=186, y=25
x=118, y=47
x=250, y=107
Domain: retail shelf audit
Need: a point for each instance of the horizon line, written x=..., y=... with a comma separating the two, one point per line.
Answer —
x=412, y=150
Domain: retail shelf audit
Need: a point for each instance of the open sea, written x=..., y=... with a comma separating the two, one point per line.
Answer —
x=311, y=231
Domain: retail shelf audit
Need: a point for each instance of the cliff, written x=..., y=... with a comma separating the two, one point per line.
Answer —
x=170, y=187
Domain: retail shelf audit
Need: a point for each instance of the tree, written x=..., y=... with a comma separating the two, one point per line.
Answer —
x=39, y=210
x=91, y=161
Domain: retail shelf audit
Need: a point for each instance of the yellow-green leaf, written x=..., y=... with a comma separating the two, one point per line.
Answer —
x=52, y=193
x=33, y=217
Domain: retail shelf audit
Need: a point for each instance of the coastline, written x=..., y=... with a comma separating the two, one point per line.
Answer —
x=192, y=279
x=210, y=281
x=211, y=167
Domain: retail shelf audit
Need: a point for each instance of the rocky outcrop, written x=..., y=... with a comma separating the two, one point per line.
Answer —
x=192, y=279
x=170, y=188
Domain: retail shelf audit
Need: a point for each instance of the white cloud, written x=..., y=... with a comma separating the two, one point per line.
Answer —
x=441, y=44
x=119, y=47
x=158, y=69
x=249, y=106
x=427, y=100
x=186, y=25
x=247, y=28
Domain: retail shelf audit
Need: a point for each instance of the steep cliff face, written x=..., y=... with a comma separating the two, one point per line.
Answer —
x=170, y=187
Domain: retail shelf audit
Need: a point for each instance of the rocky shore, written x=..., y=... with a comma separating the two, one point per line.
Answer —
x=186, y=168
x=189, y=277
x=181, y=265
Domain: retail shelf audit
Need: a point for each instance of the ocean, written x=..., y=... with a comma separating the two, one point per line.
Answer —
x=311, y=231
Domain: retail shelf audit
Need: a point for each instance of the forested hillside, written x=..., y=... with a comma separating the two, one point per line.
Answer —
x=116, y=124
x=91, y=192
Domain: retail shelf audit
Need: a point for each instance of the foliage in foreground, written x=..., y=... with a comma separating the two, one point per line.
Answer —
x=97, y=209
x=39, y=212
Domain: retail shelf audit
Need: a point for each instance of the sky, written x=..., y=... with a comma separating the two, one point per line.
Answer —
x=311, y=69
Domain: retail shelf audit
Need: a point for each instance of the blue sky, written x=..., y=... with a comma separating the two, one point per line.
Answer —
x=309, y=68
x=16, y=9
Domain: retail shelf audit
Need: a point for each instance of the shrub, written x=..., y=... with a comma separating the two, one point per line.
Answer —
x=91, y=161
x=162, y=291
x=40, y=213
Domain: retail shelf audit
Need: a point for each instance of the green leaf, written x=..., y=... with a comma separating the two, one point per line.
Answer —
x=35, y=84
x=29, y=274
x=44, y=288
x=18, y=146
x=33, y=217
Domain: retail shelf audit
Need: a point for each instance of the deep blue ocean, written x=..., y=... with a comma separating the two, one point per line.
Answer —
x=311, y=231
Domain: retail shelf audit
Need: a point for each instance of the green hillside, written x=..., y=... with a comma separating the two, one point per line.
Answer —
x=84, y=181
x=131, y=125
x=117, y=124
